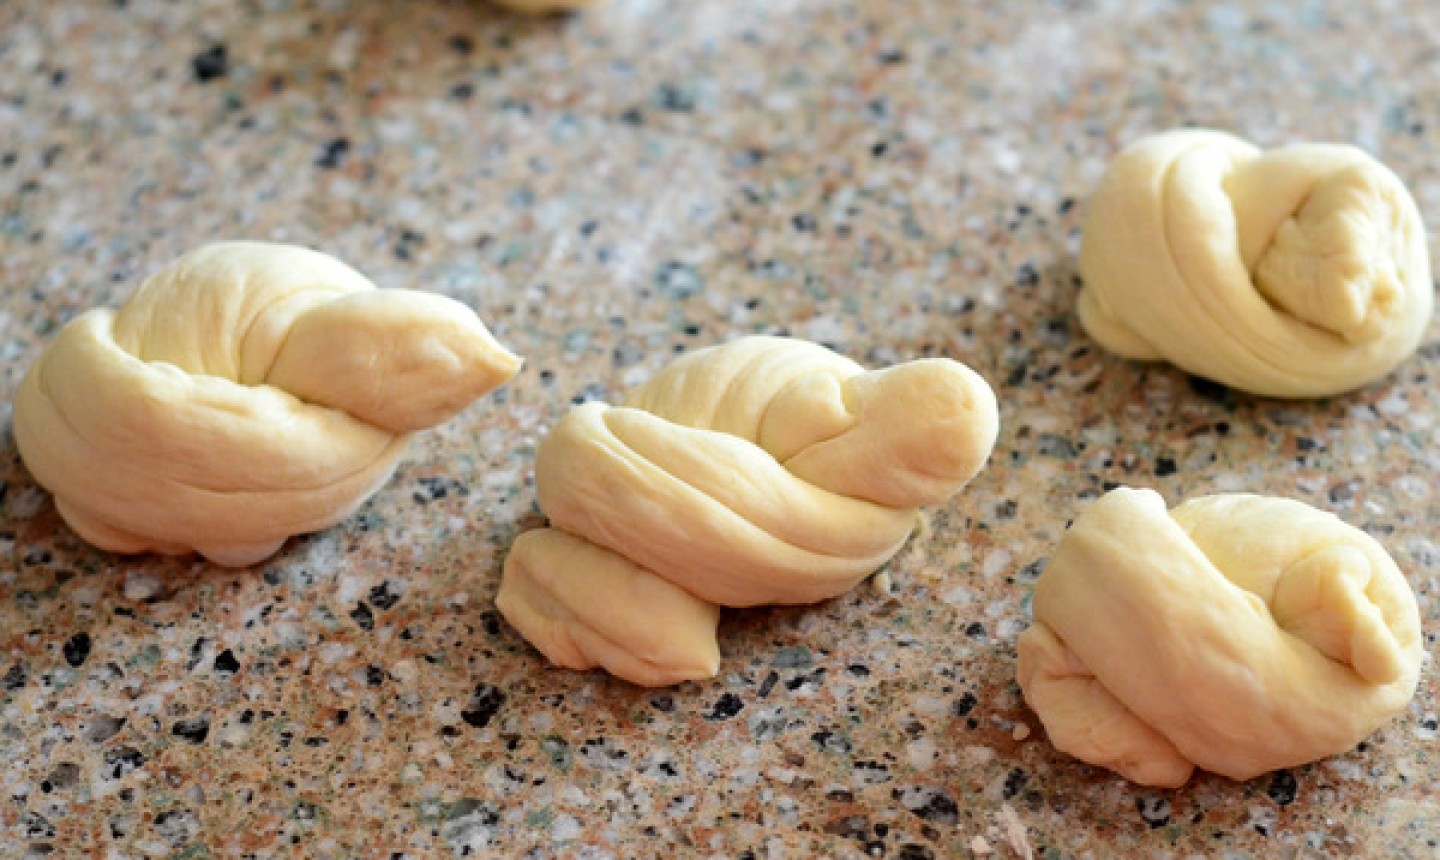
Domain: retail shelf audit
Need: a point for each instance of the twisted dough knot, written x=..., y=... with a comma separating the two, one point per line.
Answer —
x=762, y=471
x=1299, y=272
x=246, y=392
x=1235, y=633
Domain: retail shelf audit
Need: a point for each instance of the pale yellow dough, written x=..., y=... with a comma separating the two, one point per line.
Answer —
x=1236, y=633
x=766, y=470
x=1297, y=272
x=247, y=392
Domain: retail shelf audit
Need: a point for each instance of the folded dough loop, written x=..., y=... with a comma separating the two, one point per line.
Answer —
x=763, y=471
x=247, y=392
x=1298, y=272
x=1236, y=633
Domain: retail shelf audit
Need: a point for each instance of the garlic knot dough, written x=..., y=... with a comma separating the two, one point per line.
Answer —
x=765, y=470
x=1236, y=633
x=245, y=393
x=1297, y=272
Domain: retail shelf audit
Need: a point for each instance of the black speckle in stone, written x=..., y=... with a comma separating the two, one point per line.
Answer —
x=362, y=616
x=333, y=154
x=194, y=730
x=1032, y=571
x=211, y=63
x=676, y=280
x=15, y=678
x=812, y=680
x=879, y=149
x=915, y=851
x=975, y=630
x=197, y=650
x=1282, y=787
x=857, y=670
x=462, y=91
x=226, y=663
x=36, y=826
x=1208, y=389
x=936, y=806
x=1065, y=205
x=382, y=597
x=1154, y=810
x=485, y=702
x=725, y=707
x=831, y=742
x=77, y=649
x=626, y=354
x=964, y=705
x=1014, y=782
x=891, y=57
x=461, y=44
x=663, y=702
x=1017, y=374
x=64, y=775
x=767, y=685
x=1026, y=275
x=804, y=222
x=673, y=98
x=632, y=116
x=103, y=727
x=374, y=676
x=122, y=760
x=490, y=622
x=1344, y=493
x=1051, y=445
x=404, y=248
x=1165, y=466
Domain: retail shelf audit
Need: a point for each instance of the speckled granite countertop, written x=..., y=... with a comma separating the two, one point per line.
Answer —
x=895, y=179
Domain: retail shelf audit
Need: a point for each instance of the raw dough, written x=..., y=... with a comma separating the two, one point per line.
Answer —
x=1298, y=272
x=247, y=392
x=766, y=470
x=1236, y=633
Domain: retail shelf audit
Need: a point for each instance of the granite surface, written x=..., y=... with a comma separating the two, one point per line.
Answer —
x=895, y=178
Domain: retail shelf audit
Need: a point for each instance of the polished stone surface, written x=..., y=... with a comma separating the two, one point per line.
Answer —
x=895, y=178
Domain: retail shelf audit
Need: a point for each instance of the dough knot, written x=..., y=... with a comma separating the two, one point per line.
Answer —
x=763, y=471
x=245, y=393
x=1235, y=633
x=1298, y=272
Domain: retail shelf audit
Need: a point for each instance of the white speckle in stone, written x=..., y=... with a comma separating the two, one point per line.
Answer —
x=27, y=502
x=333, y=652
x=1009, y=628
x=290, y=635
x=349, y=590
x=1394, y=404
x=149, y=706
x=922, y=753
x=995, y=562
x=978, y=755
x=1428, y=728
x=958, y=596
x=140, y=585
